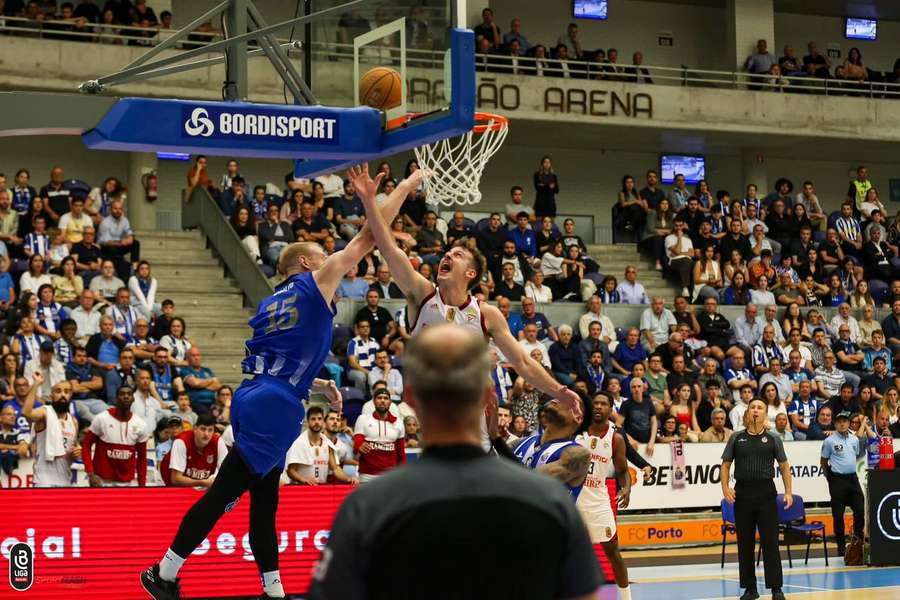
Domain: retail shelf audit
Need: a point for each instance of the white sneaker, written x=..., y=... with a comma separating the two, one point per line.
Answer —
x=685, y=292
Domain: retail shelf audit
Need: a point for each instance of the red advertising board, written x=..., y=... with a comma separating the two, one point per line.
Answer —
x=93, y=543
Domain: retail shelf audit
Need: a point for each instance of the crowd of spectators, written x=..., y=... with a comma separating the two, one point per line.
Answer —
x=851, y=73
x=79, y=306
x=85, y=20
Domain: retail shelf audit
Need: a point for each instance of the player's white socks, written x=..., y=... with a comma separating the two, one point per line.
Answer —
x=625, y=592
x=170, y=565
x=271, y=581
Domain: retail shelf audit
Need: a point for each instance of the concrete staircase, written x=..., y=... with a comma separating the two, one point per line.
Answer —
x=613, y=258
x=210, y=303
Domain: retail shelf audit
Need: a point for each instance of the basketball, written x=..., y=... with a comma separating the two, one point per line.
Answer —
x=380, y=88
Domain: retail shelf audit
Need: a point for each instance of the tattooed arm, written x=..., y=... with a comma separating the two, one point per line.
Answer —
x=572, y=466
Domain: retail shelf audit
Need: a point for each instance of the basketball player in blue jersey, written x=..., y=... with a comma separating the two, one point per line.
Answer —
x=291, y=337
x=458, y=270
x=553, y=449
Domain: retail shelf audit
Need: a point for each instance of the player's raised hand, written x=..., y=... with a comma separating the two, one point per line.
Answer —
x=336, y=400
x=491, y=415
x=415, y=179
x=366, y=187
x=571, y=401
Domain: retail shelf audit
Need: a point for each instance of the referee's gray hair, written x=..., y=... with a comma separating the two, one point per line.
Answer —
x=447, y=366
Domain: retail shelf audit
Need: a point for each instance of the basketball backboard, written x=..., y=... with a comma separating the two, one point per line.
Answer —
x=323, y=128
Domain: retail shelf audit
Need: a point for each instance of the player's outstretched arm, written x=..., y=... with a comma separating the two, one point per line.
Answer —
x=572, y=466
x=623, y=497
x=413, y=284
x=329, y=276
x=533, y=372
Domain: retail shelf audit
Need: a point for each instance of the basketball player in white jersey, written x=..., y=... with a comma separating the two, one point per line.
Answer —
x=313, y=454
x=53, y=463
x=607, y=448
x=450, y=302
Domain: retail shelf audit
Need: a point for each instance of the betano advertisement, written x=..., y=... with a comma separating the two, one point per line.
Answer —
x=92, y=543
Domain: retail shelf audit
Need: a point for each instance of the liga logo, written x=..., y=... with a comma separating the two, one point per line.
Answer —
x=889, y=516
x=200, y=122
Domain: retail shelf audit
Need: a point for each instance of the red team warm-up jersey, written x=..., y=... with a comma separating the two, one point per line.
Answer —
x=196, y=463
x=120, y=448
x=386, y=436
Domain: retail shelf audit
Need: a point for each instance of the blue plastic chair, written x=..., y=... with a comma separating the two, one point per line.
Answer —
x=482, y=224
x=727, y=526
x=794, y=519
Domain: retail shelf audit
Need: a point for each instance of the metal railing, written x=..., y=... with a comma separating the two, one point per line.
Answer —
x=431, y=58
x=202, y=211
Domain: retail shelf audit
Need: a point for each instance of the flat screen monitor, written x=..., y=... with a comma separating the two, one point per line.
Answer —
x=861, y=29
x=692, y=167
x=591, y=9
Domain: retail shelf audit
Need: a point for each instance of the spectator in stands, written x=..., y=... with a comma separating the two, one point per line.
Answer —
x=430, y=241
x=233, y=195
x=680, y=252
x=564, y=357
x=7, y=286
x=637, y=416
x=274, y=235
x=14, y=442
x=55, y=195
x=529, y=340
x=51, y=370
x=384, y=285
x=86, y=316
x=87, y=385
x=124, y=373
x=176, y=342
x=628, y=353
x=637, y=73
x=166, y=379
x=310, y=226
x=515, y=33
x=829, y=377
x=382, y=370
x=571, y=42
x=349, y=212
x=67, y=286
x=32, y=279
x=163, y=321
x=657, y=227
x=630, y=291
x=491, y=240
x=536, y=290
x=361, y=356
x=244, y=226
x=571, y=286
x=352, y=286
x=515, y=206
x=37, y=241
x=651, y=194
x=117, y=240
x=853, y=69
x=147, y=402
x=382, y=325
x=9, y=223
x=761, y=62
x=594, y=313
x=546, y=333
x=88, y=256
x=74, y=223
x=488, y=29
x=141, y=342
x=822, y=426
x=123, y=313
x=200, y=382
x=657, y=322
x=507, y=286
x=142, y=291
x=791, y=65
x=717, y=432
x=546, y=185
x=815, y=64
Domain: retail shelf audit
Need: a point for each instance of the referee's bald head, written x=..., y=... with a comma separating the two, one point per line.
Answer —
x=447, y=370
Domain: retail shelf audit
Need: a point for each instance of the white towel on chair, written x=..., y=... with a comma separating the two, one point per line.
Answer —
x=54, y=444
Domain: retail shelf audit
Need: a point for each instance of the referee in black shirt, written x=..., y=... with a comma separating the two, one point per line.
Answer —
x=755, y=451
x=458, y=520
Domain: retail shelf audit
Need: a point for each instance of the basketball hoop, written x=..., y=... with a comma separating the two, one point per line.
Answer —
x=453, y=166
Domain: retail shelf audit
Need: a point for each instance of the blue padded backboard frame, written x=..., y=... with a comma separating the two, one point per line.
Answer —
x=322, y=139
x=457, y=120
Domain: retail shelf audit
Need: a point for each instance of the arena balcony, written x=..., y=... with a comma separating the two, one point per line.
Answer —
x=564, y=96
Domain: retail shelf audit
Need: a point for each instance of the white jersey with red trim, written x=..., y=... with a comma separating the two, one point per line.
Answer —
x=386, y=438
x=594, y=502
x=433, y=311
x=313, y=459
x=115, y=455
x=595, y=492
x=56, y=472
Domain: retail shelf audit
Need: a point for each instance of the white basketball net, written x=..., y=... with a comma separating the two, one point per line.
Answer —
x=453, y=166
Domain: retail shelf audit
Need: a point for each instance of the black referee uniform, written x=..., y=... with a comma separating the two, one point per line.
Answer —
x=754, y=458
x=457, y=524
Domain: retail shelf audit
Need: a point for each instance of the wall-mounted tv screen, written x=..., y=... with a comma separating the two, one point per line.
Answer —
x=591, y=9
x=173, y=156
x=861, y=29
x=692, y=167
